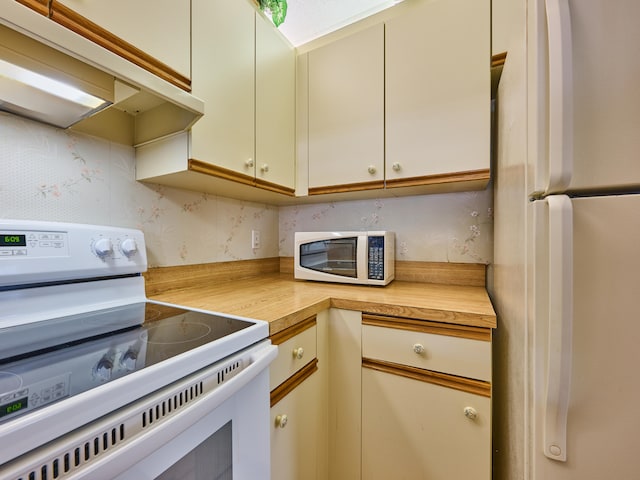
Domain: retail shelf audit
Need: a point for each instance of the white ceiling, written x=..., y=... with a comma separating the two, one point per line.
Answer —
x=309, y=19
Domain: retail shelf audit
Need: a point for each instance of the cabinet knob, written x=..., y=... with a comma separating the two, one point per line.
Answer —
x=418, y=348
x=264, y=168
x=281, y=420
x=470, y=413
x=396, y=167
x=249, y=163
x=298, y=353
x=372, y=170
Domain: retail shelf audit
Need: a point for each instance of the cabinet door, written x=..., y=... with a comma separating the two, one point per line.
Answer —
x=438, y=90
x=275, y=106
x=160, y=28
x=417, y=430
x=223, y=76
x=294, y=443
x=346, y=111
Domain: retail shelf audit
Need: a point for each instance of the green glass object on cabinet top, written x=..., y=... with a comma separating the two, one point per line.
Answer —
x=277, y=8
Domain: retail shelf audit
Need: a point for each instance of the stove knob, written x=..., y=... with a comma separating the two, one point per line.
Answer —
x=103, y=369
x=103, y=247
x=128, y=360
x=129, y=247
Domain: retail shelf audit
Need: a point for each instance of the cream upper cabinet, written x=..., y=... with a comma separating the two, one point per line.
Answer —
x=223, y=76
x=346, y=112
x=275, y=78
x=244, y=71
x=437, y=86
x=160, y=29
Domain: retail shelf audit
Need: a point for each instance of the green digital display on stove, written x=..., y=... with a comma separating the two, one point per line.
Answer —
x=14, y=406
x=10, y=240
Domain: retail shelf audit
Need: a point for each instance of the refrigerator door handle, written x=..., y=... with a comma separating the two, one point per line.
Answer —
x=560, y=96
x=560, y=326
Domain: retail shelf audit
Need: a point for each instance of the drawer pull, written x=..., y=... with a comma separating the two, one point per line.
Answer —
x=281, y=420
x=298, y=353
x=418, y=349
x=470, y=413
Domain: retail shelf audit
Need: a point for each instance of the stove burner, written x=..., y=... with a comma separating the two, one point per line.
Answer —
x=179, y=332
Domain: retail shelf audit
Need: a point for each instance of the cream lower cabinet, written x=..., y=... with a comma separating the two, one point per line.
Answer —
x=294, y=433
x=296, y=393
x=419, y=423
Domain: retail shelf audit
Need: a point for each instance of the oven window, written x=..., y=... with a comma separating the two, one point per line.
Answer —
x=336, y=256
x=211, y=460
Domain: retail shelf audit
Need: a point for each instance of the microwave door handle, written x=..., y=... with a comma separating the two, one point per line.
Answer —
x=362, y=260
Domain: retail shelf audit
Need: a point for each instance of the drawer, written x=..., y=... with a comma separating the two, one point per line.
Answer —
x=296, y=348
x=428, y=345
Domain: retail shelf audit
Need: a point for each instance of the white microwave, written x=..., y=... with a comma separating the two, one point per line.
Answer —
x=345, y=257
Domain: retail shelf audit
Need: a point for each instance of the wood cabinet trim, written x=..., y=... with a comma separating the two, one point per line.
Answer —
x=426, y=326
x=293, y=381
x=205, y=168
x=84, y=27
x=476, y=387
x=456, y=177
x=274, y=187
x=351, y=187
x=498, y=59
x=293, y=330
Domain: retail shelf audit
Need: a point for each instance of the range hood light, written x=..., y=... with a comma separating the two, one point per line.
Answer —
x=25, y=92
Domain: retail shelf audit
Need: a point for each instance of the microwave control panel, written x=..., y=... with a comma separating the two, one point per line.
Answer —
x=376, y=258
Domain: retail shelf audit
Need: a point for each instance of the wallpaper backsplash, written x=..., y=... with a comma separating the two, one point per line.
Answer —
x=58, y=175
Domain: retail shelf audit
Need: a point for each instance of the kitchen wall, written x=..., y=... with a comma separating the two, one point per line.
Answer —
x=454, y=227
x=53, y=174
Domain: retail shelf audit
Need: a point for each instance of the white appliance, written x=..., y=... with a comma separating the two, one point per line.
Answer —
x=366, y=258
x=566, y=285
x=97, y=382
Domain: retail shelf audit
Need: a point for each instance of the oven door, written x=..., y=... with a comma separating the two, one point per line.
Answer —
x=229, y=443
x=213, y=424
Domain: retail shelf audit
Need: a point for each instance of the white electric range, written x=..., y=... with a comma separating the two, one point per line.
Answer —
x=96, y=381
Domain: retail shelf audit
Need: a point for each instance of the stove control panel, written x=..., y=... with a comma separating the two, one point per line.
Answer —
x=40, y=252
x=34, y=396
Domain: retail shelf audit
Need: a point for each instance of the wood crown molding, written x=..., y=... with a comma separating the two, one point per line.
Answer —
x=84, y=27
x=468, y=385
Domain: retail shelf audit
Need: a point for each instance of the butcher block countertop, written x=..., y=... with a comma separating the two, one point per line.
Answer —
x=282, y=301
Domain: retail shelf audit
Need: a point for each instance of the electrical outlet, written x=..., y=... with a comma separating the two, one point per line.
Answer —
x=255, y=238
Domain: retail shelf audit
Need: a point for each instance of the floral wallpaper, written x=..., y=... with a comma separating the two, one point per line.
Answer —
x=59, y=175
x=453, y=227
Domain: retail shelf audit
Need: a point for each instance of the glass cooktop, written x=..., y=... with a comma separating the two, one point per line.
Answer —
x=116, y=342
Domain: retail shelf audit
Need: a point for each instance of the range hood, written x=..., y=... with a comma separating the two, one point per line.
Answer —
x=42, y=83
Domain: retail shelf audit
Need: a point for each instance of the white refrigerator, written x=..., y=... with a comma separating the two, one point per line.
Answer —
x=566, y=275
